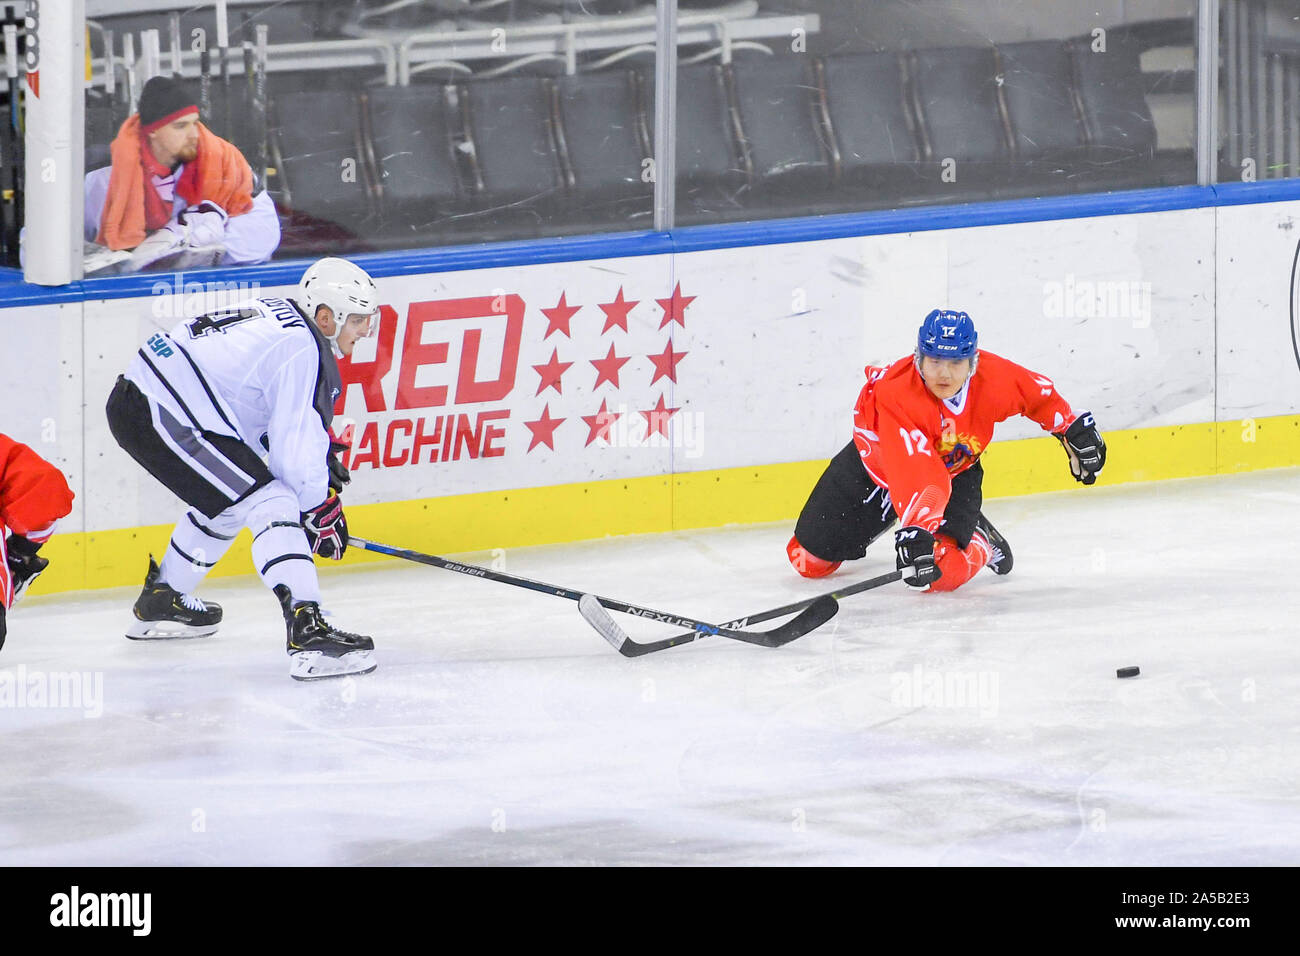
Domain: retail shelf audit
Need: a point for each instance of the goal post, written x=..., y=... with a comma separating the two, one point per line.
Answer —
x=55, y=68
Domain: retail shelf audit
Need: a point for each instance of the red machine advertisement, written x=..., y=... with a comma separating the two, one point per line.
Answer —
x=499, y=376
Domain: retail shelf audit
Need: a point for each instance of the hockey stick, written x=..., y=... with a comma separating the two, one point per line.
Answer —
x=223, y=64
x=259, y=101
x=761, y=616
x=815, y=612
x=205, y=86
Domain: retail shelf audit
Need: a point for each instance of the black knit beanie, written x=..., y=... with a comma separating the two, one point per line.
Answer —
x=162, y=101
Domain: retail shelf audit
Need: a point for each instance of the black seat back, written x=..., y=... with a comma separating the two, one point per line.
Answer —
x=103, y=119
x=708, y=152
x=779, y=101
x=602, y=132
x=956, y=100
x=510, y=125
x=321, y=169
x=870, y=118
x=1038, y=88
x=411, y=131
x=1112, y=96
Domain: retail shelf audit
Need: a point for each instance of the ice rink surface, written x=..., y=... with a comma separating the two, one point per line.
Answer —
x=981, y=727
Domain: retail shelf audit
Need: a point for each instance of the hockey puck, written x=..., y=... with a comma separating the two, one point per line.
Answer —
x=1127, y=672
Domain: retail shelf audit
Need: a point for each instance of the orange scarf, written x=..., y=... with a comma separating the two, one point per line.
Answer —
x=220, y=174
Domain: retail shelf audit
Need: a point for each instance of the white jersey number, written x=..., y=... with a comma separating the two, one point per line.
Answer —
x=921, y=445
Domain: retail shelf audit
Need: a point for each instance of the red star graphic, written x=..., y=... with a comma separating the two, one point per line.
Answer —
x=675, y=307
x=598, y=424
x=656, y=419
x=544, y=429
x=665, y=363
x=616, y=312
x=559, y=317
x=551, y=372
x=607, y=368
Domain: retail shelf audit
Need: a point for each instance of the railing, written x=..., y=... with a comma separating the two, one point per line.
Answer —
x=281, y=57
x=407, y=54
x=723, y=25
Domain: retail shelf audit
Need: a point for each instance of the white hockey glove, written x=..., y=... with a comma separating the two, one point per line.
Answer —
x=203, y=225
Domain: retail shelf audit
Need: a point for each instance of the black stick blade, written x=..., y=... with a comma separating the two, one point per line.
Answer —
x=811, y=618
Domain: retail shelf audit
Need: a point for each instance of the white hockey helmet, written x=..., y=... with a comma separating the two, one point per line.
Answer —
x=343, y=286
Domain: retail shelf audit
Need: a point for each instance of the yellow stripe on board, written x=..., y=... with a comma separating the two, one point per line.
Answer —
x=703, y=499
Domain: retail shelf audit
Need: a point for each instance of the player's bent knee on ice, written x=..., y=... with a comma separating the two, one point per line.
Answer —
x=920, y=427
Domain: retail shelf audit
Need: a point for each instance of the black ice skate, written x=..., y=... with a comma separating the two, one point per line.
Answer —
x=161, y=612
x=316, y=648
x=1000, y=562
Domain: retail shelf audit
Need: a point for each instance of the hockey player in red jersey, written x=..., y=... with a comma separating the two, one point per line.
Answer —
x=919, y=428
x=33, y=496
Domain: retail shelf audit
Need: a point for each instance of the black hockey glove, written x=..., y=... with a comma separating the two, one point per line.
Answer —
x=327, y=529
x=25, y=565
x=915, y=547
x=339, y=474
x=1085, y=448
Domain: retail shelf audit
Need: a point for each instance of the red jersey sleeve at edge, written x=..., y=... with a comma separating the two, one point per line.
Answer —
x=33, y=493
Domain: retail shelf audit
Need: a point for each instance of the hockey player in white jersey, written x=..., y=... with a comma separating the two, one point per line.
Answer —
x=231, y=411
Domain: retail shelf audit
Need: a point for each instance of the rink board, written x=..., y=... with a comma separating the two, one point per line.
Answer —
x=511, y=406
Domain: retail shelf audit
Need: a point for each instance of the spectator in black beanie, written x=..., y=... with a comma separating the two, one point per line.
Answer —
x=176, y=193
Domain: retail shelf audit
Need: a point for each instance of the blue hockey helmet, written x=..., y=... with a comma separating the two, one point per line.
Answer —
x=947, y=335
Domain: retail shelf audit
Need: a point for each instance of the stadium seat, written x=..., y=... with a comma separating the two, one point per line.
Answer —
x=322, y=181
x=103, y=119
x=870, y=121
x=1038, y=87
x=604, y=144
x=710, y=172
x=780, y=104
x=955, y=95
x=516, y=172
x=1112, y=97
x=411, y=143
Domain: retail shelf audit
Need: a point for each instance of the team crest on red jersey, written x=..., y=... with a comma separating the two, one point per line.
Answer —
x=957, y=449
